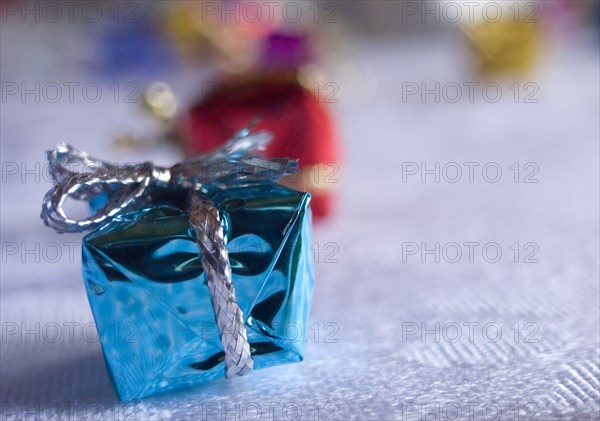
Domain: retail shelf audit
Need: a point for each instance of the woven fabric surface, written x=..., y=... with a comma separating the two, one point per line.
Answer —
x=394, y=334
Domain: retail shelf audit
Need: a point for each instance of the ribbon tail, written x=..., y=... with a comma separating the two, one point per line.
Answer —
x=206, y=222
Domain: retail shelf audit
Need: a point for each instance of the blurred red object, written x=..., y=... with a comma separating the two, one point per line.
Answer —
x=298, y=119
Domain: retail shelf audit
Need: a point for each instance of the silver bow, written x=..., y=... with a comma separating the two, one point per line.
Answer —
x=127, y=188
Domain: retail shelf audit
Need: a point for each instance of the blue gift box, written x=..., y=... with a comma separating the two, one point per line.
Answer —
x=147, y=289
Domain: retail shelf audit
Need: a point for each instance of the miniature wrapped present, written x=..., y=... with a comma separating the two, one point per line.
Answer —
x=194, y=272
x=282, y=102
x=505, y=44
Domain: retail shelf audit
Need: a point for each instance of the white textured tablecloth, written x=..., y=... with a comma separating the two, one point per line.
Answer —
x=384, y=342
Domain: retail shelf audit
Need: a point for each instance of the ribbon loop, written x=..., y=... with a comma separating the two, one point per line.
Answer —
x=126, y=185
x=65, y=159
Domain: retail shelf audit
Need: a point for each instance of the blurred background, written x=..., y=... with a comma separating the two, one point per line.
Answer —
x=452, y=151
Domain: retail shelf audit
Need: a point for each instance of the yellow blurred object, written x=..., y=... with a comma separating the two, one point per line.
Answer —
x=126, y=142
x=186, y=32
x=308, y=179
x=221, y=29
x=160, y=106
x=160, y=100
x=505, y=46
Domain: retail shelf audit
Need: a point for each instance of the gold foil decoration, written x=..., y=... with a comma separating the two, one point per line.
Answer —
x=509, y=45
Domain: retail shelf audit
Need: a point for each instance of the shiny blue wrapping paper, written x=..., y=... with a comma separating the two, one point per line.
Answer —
x=149, y=297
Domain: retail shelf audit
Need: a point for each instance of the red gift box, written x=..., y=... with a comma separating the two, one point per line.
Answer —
x=297, y=118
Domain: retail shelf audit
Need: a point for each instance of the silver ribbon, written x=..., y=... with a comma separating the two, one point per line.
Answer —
x=127, y=188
